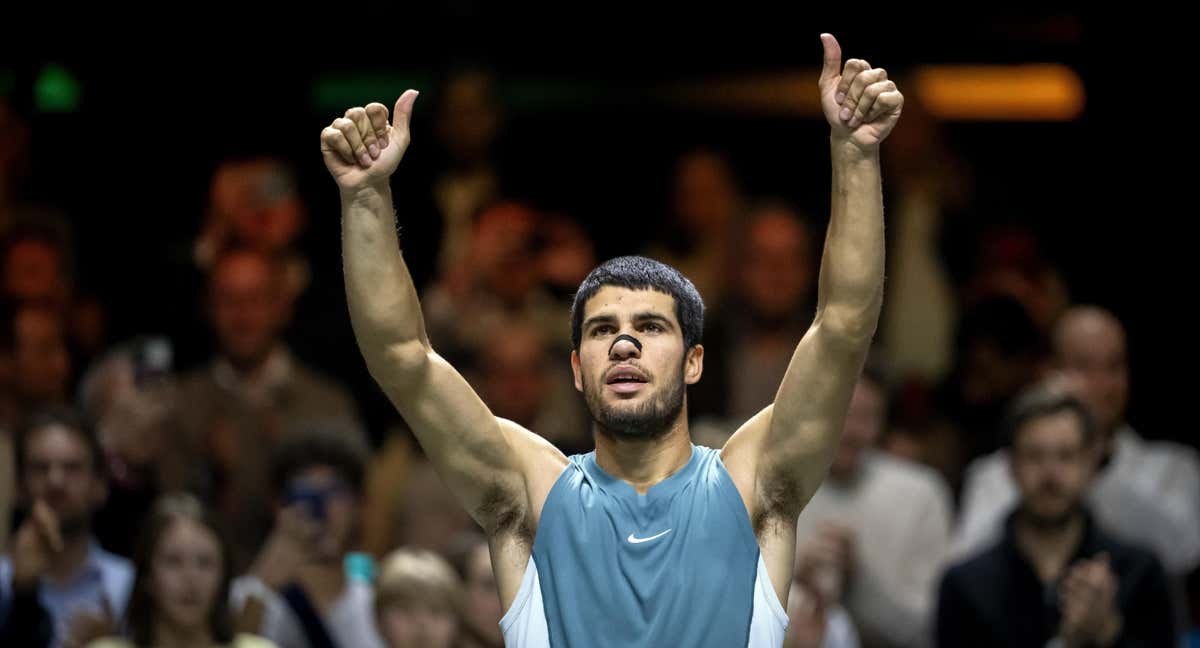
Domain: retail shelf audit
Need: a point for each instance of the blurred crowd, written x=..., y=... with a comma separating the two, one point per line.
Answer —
x=988, y=490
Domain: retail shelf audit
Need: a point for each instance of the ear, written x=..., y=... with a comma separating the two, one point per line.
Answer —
x=576, y=371
x=693, y=364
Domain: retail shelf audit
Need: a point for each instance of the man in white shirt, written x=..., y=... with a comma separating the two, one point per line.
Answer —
x=877, y=532
x=1146, y=493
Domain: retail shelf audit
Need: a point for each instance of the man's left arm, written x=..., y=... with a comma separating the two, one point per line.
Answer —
x=782, y=454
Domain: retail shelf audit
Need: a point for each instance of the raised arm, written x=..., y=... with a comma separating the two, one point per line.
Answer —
x=482, y=459
x=782, y=454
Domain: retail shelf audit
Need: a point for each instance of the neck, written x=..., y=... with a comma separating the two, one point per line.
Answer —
x=323, y=582
x=250, y=369
x=170, y=634
x=70, y=560
x=644, y=462
x=1048, y=547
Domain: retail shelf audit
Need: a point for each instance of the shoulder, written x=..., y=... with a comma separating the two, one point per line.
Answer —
x=115, y=567
x=976, y=572
x=987, y=468
x=1130, y=561
x=895, y=473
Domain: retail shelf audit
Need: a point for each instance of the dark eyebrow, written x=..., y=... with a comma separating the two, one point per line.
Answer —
x=597, y=319
x=648, y=316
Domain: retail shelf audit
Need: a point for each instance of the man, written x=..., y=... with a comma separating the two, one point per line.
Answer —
x=1144, y=492
x=1055, y=575
x=58, y=586
x=253, y=395
x=876, y=534
x=298, y=589
x=648, y=540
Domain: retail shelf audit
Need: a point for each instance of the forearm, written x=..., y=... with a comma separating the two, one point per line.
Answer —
x=850, y=289
x=384, y=307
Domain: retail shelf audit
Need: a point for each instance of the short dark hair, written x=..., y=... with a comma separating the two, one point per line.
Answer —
x=641, y=273
x=319, y=447
x=1041, y=401
x=67, y=419
x=141, y=614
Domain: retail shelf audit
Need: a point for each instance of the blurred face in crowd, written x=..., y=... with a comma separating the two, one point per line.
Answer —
x=186, y=578
x=1051, y=465
x=247, y=307
x=341, y=511
x=469, y=118
x=40, y=360
x=705, y=195
x=514, y=375
x=777, y=270
x=631, y=392
x=59, y=470
x=33, y=270
x=258, y=202
x=1089, y=344
x=418, y=624
x=502, y=247
x=482, y=602
x=864, y=423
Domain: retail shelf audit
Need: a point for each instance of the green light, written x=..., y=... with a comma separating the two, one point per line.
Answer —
x=56, y=91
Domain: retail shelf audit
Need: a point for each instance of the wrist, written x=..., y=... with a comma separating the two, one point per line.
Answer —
x=366, y=193
x=844, y=150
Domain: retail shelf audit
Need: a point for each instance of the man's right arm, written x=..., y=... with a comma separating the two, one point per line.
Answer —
x=484, y=461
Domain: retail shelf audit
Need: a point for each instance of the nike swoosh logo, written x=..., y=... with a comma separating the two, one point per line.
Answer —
x=636, y=540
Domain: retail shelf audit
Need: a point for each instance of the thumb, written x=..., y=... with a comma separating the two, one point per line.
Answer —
x=833, y=59
x=403, y=110
x=47, y=526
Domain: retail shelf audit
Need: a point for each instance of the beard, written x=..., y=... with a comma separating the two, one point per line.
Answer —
x=649, y=420
x=1051, y=522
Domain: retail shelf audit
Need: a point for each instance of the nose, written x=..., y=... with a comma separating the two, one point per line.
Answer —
x=623, y=348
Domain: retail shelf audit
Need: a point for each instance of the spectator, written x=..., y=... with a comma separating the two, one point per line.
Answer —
x=1055, y=574
x=58, y=585
x=181, y=592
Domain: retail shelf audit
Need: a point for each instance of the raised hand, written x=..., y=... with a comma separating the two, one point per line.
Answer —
x=860, y=103
x=362, y=148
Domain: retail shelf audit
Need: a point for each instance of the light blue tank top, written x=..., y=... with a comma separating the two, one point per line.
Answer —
x=678, y=566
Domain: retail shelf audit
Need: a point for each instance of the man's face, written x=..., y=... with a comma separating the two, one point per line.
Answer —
x=864, y=422
x=41, y=362
x=632, y=392
x=247, y=304
x=1051, y=466
x=1092, y=348
x=514, y=376
x=33, y=270
x=59, y=471
x=341, y=510
x=777, y=270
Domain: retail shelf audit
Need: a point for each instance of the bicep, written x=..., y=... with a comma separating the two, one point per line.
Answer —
x=786, y=448
x=466, y=444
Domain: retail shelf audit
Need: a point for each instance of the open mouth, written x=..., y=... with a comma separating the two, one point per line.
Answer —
x=625, y=379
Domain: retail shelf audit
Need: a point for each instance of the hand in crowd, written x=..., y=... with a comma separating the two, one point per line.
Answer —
x=826, y=560
x=291, y=544
x=1088, y=599
x=36, y=543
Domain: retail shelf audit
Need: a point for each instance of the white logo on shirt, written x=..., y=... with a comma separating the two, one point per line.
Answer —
x=635, y=540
